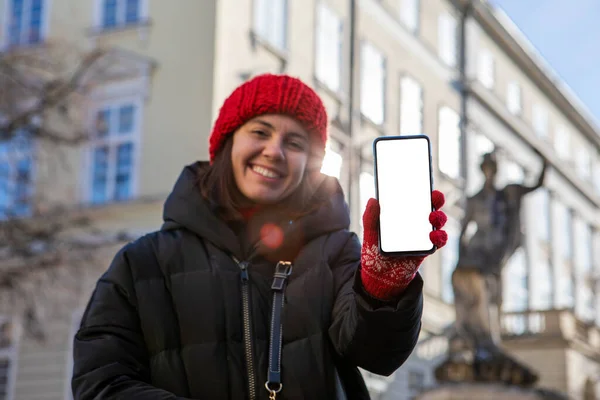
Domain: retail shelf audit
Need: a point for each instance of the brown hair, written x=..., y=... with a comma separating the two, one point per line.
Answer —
x=218, y=187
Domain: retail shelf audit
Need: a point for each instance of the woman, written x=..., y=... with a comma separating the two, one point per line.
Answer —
x=253, y=287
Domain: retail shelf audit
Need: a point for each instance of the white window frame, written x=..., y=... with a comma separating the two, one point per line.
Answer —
x=265, y=13
x=514, y=98
x=486, y=68
x=33, y=172
x=409, y=14
x=411, y=109
x=99, y=14
x=373, y=107
x=119, y=95
x=448, y=145
x=44, y=23
x=12, y=354
x=562, y=142
x=328, y=47
x=540, y=120
x=448, y=39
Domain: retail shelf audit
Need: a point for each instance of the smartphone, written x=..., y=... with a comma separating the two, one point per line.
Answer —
x=403, y=186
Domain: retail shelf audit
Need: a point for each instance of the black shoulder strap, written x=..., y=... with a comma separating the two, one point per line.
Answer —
x=282, y=271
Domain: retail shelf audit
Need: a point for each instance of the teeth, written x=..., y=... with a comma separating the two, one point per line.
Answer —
x=264, y=172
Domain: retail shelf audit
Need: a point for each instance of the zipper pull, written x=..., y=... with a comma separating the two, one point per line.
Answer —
x=244, y=267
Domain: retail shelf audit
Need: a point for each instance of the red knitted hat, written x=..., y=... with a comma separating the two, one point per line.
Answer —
x=269, y=94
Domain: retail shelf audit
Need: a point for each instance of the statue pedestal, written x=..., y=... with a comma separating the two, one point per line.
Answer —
x=486, y=391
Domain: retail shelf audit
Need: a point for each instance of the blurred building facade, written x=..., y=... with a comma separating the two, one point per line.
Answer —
x=382, y=67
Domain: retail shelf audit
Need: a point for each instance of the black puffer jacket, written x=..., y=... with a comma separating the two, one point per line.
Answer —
x=165, y=321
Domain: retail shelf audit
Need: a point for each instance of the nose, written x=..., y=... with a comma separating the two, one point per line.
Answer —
x=274, y=149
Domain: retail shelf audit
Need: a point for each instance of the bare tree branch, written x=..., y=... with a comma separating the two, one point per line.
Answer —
x=43, y=100
x=25, y=79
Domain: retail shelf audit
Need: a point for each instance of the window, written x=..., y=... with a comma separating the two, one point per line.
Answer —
x=333, y=161
x=596, y=253
x=597, y=176
x=411, y=107
x=449, y=254
x=565, y=220
x=514, y=99
x=540, y=121
x=120, y=12
x=449, y=142
x=583, y=161
x=328, y=60
x=479, y=144
x=25, y=22
x=113, y=157
x=541, y=199
x=486, y=69
x=541, y=283
x=409, y=14
x=16, y=176
x=583, y=265
x=542, y=273
x=7, y=357
x=509, y=172
x=515, y=283
x=270, y=22
x=372, y=84
x=448, y=39
x=563, y=244
x=562, y=142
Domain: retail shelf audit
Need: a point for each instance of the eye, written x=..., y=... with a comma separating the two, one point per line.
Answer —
x=296, y=144
x=260, y=133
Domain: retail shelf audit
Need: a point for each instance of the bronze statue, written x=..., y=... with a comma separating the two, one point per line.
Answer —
x=474, y=353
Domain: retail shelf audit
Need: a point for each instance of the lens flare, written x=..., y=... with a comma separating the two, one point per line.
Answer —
x=271, y=235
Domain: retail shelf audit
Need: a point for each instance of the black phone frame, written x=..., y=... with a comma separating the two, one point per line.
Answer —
x=403, y=137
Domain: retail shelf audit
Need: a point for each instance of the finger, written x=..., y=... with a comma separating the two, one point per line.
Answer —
x=371, y=215
x=438, y=199
x=438, y=219
x=438, y=238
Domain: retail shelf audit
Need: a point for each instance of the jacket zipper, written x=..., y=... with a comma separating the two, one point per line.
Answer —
x=247, y=328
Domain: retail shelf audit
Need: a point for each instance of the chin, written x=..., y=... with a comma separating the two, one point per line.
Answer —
x=264, y=199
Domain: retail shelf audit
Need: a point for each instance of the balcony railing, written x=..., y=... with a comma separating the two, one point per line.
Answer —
x=560, y=324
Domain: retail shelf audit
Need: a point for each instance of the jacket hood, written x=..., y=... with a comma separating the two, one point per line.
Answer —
x=185, y=207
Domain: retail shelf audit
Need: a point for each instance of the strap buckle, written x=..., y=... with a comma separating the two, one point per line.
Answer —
x=283, y=269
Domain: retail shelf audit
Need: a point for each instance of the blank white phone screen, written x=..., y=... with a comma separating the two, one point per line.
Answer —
x=404, y=194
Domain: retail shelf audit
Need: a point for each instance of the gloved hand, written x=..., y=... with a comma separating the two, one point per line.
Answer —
x=386, y=277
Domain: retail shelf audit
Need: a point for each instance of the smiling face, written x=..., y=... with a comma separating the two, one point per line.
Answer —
x=269, y=156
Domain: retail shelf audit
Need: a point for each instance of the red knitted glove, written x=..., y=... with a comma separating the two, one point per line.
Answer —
x=386, y=277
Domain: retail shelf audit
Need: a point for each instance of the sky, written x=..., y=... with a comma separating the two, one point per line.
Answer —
x=567, y=34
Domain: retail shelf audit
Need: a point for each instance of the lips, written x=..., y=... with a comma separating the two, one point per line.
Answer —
x=266, y=172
